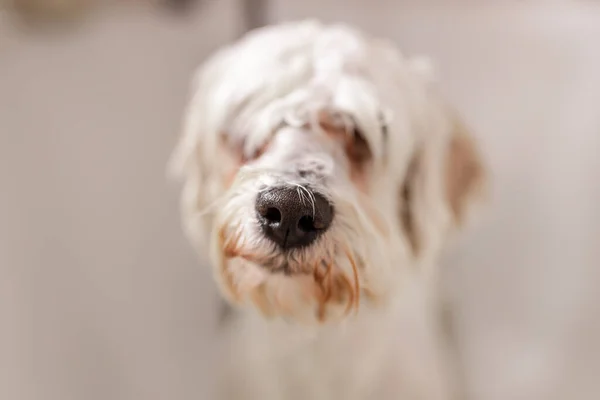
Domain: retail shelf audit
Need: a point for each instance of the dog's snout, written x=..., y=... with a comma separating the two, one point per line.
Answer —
x=293, y=217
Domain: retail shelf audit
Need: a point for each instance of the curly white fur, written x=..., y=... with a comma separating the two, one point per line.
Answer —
x=353, y=316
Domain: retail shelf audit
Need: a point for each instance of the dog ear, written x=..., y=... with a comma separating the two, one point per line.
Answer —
x=190, y=161
x=444, y=179
x=465, y=173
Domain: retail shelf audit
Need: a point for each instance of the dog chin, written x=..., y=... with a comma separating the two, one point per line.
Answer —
x=305, y=285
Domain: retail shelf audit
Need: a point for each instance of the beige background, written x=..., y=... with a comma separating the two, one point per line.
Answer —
x=100, y=295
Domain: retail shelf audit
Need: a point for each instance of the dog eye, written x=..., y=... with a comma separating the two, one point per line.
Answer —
x=235, y=146
x=256, y=153
x=357, y=148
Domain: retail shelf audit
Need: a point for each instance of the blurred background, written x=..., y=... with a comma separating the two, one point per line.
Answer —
x=101, y=297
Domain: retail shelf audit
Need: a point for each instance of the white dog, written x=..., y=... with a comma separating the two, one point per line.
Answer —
x=323, y=174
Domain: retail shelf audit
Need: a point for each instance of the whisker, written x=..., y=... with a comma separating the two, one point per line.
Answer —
x=311, y=198
x=300, y=194
x=304, y=193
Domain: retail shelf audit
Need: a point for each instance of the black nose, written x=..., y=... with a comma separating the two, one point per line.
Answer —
x=292, y=217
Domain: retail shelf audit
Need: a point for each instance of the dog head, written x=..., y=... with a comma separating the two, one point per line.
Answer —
x=320, y=165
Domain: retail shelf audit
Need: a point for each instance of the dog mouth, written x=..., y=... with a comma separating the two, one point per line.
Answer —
x=332, y=272
x=285, y=267
x=275, y=258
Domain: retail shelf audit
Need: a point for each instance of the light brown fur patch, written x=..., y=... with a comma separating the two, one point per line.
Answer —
x=465, y=173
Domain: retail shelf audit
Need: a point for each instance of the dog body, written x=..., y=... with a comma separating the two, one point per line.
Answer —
x=323, y=174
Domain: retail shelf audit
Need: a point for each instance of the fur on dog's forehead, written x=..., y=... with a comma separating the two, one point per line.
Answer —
x=286, y=74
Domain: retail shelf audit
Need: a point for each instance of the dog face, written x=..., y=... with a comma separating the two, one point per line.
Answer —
x=319, y=166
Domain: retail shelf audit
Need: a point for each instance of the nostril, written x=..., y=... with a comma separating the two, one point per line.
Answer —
x=273, y=215
x=306, y=224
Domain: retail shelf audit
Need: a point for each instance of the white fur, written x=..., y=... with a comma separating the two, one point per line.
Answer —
x=269, y=88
